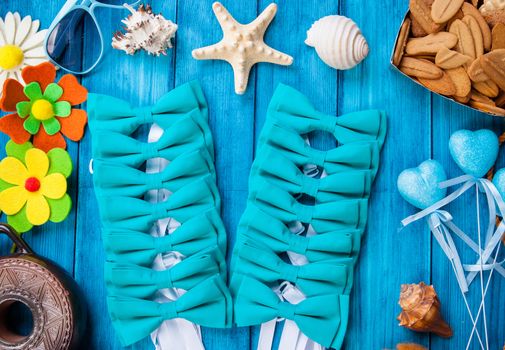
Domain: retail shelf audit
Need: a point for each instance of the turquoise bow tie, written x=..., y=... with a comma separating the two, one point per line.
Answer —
x=195, y=235
x=324, y=217
x=260, y=227
x=276, y=169
x=353, y=156
x=327, y=277
x=113, y=179
x=113, y=114
x=142, y=282
x=291, y=109
x=183, y=136
x=207, y=304
x=320, y=318
x=138, y=214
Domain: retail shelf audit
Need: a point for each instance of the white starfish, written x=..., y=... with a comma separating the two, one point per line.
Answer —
x=242, y=45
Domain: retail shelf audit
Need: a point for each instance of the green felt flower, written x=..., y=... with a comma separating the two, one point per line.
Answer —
x=42, y=108
x=33, y=185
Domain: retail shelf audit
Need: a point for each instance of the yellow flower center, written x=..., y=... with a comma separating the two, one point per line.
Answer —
x=11, y=56
x=42, y=109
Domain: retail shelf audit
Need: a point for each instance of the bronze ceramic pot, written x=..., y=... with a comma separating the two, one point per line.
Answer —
x=52, y=296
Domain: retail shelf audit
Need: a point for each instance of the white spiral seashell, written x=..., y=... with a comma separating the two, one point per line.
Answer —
x=338, y=42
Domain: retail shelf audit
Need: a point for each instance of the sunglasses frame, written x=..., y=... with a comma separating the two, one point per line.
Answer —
x=88, y=6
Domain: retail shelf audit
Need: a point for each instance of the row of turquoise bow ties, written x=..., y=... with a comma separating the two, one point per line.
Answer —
x=127, y=217
x=276, y=182
x=303, y=226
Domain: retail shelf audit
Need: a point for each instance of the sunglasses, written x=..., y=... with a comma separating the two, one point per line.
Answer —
x=75, y=31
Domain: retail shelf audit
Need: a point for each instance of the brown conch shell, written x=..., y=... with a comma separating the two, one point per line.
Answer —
x=410, y=346
x=421, y=310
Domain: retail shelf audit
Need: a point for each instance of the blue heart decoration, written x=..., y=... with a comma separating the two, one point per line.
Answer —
x=499, y=181
x=419, y=186
x=474, y=152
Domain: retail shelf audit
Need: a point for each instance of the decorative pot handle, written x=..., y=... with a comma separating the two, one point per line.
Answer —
x=16, y=238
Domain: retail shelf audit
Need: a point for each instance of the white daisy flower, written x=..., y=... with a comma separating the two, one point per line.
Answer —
x=21, y=45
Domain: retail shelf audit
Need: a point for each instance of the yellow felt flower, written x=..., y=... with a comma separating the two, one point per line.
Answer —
x=31, y=186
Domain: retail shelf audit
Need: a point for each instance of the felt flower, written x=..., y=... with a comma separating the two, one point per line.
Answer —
x=33, y=185
x=43, y=109
x=21, y=45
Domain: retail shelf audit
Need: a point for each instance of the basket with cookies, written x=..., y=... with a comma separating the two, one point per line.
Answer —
x=456, y=49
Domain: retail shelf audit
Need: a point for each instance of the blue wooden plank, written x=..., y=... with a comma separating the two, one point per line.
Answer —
x=388, y=258
x=54, y=241
x=231, y=121
x=448, y=118
x=140, y=79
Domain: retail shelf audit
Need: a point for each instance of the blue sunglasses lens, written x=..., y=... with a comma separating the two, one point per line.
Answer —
x=74, y=43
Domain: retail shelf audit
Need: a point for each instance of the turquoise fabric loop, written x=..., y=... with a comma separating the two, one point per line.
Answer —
x=273, y=167
x=112, y=179
x=291, y=109
x=138, y=214
x=207, y=304
x=183, y=136
x=144, y=115
x=318, y=317
x=324, y=217
x=262, y=228
x=298, y=244
x=113, y=114
x=131, y=280
x=309, y=186
x=353, y=156
x=304, y=213
x=194, y=236
x=286, y=310
x=326, y=277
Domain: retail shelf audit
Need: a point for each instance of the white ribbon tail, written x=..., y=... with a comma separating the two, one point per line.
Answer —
x=441, y=234
x=468, y=241
x=267, y=332
x=491, y=246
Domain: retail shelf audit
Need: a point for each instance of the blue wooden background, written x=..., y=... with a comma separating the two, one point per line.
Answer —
x=419, y=127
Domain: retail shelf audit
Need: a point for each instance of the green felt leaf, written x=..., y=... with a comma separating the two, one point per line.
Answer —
x=33, y=91
x=53, y=92
x=17, y=151
x=4, y=185
x=20, y=221
x=52, y=126
x=60, y=208
x=60, y=162
x=23, y=108
x=62, y=109
x=32, y=125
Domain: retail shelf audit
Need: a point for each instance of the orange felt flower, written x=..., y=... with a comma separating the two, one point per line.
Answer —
x=43, y=109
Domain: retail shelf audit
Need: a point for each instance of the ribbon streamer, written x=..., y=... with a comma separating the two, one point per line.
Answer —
x=441, y=221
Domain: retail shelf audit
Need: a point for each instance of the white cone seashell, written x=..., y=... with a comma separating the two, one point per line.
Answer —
x=338, y=42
